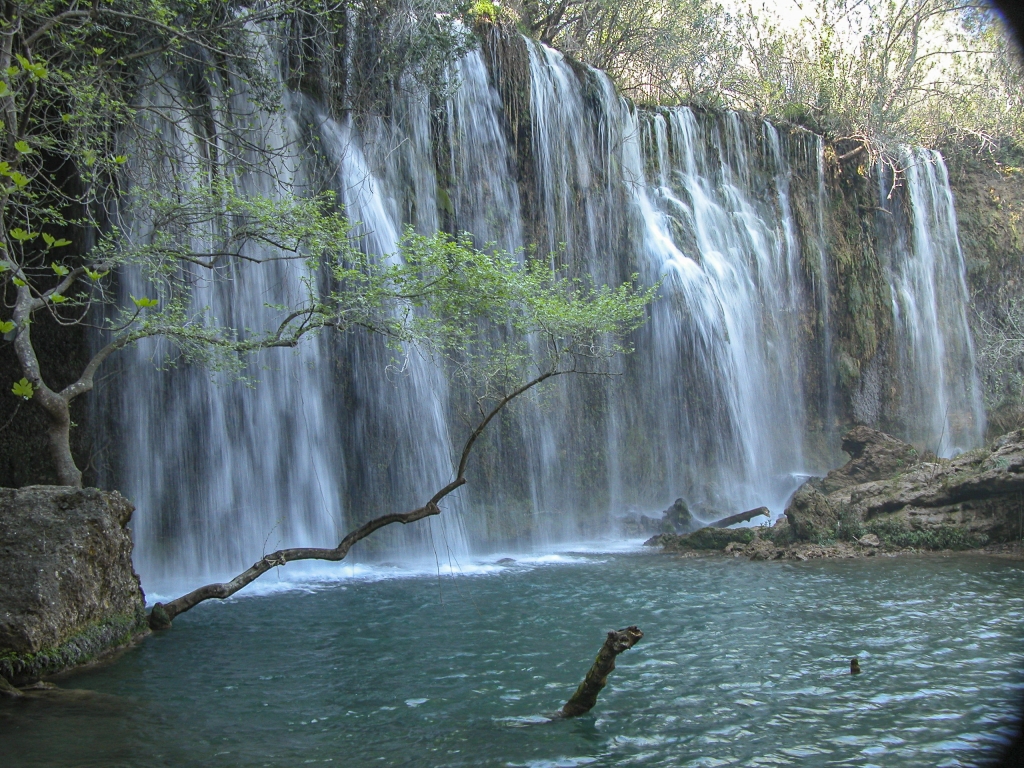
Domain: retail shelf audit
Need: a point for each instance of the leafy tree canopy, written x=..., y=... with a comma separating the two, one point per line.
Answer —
x=80, y=146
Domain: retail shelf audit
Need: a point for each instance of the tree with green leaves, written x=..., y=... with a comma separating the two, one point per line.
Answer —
x=71, y=77
x=83, y=149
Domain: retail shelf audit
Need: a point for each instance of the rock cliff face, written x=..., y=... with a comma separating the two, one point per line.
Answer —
x=988, y=184
x=68, y=593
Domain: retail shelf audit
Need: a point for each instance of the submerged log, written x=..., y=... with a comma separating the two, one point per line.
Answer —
x=742, y=517
x=586, y=695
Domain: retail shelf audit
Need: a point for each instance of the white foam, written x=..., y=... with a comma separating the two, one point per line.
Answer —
x=309, y=577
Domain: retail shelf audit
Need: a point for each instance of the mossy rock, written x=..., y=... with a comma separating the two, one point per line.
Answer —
x=93, y=642
x=706, y=539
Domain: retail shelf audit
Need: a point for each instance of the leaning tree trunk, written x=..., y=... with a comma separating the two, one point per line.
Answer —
x=586, y=695
x=56, y=405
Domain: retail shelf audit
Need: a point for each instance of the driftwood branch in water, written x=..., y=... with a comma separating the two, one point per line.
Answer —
x=586, y=695
x=162, y=614
x=742, y=517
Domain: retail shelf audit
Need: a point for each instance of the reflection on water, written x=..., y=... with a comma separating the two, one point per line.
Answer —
x=742, y=664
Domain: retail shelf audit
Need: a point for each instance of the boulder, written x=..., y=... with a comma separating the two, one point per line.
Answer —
x=678, y=517
x=68, y=593
x=874, y=455
x=809, y=513
x=762, y=549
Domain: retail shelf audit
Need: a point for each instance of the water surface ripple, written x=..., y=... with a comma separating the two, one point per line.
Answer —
x=742, y=664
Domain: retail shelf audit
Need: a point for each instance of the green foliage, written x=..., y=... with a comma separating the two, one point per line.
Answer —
x=875, y=73
x=75, y=88
x=893, y=533
x=23, y=389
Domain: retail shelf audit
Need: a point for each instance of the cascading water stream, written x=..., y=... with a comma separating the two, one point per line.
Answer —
x=942, y=402
x=713, y=407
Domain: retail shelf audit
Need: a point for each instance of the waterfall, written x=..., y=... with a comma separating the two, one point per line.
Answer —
x=941, y=407
x=729, y=402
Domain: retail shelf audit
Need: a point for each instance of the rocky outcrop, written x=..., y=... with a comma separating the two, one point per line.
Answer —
x=809, y=513
x=678, y=517
x=68, y=593
x=886, y=499
x=706, y=539
x=874, y=455
x=966, y=501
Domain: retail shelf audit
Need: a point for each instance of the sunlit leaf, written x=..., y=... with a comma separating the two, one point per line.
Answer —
x=6, y=326
x=57, y=298
x=96, y=275
x=19, y=282
x=23, y=147
x=22, y=235
x=60, y=269
x=144, y=302
x=23, y=389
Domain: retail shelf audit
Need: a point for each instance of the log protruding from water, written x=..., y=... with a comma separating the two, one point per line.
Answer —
x=586, y=695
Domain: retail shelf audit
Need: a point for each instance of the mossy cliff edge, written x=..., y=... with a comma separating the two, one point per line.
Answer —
x=68, y=594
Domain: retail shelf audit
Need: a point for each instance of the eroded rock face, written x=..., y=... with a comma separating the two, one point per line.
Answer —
x=68, y=593
x=874, y=455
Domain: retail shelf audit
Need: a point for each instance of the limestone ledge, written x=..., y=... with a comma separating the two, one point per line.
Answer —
x=888, y=500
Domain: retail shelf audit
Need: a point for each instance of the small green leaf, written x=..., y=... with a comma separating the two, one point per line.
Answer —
x=23, y=389
x=60, y=269
x=56, y=298
x=23, y=147
x=20, y=234
x=6, y=326
x=121, y=159
x=99, y=51
x=145, y=302
x=89, y=157
x=4, y=88
x=19, y=282
x=20, y=180
x=96, y=275
x=12, y=70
